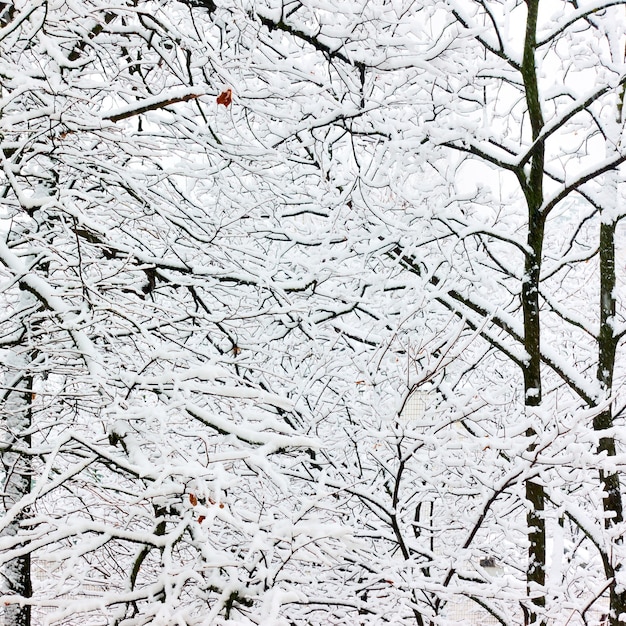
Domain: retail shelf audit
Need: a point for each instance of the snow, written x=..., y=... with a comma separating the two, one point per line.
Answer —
x=269, y=363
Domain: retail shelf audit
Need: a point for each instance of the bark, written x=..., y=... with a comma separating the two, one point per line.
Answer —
x=17, y=470
x=532, y=185
x=607, y=349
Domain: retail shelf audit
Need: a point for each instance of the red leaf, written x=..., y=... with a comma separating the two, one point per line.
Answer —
x=201, y=519
x=225, y=98
x=193, y=499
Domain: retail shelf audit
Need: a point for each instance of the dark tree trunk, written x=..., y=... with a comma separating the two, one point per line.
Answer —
x=17, y=418
x=532, y=185
x=607, y=348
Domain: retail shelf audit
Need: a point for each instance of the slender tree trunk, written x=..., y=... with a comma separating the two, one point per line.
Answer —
x=532, y=185
x=17, y=419
x=613, y=507
x=535, y=492
x=607, y=348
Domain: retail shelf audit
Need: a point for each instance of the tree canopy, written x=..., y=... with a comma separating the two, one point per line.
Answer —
x=312, y=312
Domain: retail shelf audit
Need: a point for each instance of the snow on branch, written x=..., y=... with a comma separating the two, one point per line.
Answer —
x=152, y=104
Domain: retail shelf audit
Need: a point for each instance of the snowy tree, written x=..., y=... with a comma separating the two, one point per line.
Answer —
x=535, y=196
x=242, y=242
x=487, y=171
x=147, y=431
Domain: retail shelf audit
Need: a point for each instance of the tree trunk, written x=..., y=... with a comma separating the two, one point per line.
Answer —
x=532, y=185
x=607, y=347
x=16, y=466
